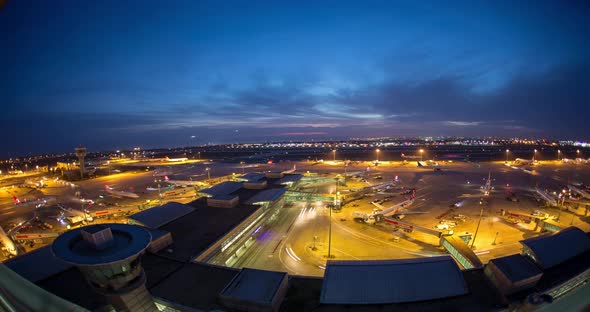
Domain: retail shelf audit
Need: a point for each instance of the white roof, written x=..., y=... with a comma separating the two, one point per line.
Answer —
x=391, y=281
x=156, y=217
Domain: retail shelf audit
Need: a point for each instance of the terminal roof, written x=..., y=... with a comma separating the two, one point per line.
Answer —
x=391, y=281
x=158, y=216
x=253, y=176
x=195, y=231
x=289, y=178
x=551, y=250
x=253, y=285
x=268, y=195
x=516, y=267
x=37, y=264
x=194, y=285
x=223, y=188
x=128, y=240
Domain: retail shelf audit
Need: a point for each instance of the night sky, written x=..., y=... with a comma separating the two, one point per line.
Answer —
x=119, y=74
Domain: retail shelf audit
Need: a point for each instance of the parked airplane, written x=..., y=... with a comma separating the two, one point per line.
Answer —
x=381, y=211
x=429, y=165
x=524, y=162
x=84, y=215
x=487, y=188
x=291, y=170
x=176, y=159
x=114, y=193
x=39, y=202
x=35, y=183
x=7, y=243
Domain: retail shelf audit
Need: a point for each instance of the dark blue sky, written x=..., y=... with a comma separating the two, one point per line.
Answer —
x=118, y=74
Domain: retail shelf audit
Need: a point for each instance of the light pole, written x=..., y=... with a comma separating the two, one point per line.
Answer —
x=558, y=154
x=199, y=153
x=421, y=153
x=578, y=153
x=330, y=228
x=507, y=151
x=208, y=173
x=378, y=150
x=242, y=163
x=494, y=242
x=159, y=188
x=534, y=155
x=334, y=154
x=477, y=228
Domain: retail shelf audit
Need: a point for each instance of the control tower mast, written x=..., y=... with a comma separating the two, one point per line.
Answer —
x=81, y=153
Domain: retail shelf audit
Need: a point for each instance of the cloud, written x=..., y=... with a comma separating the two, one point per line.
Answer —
x=463, y=123
x=551, y=103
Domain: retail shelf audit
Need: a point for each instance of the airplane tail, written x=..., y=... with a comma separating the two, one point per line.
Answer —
x=419, y=164
x=16, y=200
x=166, y=178
x=107, y=187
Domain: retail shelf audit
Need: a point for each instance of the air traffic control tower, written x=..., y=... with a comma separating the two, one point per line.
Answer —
x=109, y=257
x=81, y=153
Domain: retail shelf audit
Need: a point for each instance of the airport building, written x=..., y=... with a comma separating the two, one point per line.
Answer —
x=179, y=257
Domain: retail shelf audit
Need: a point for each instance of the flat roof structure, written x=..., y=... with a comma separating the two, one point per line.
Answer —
x=551, y=250
x=289, y=178
x=516, y=267
x=29, y=266
x=194, y=285
x=269, y=195
x=156, y=217
x=391, y=281
x=258, y=288
x=196, y=231
x=127, y=242
x=253, y=176
x=223, y=188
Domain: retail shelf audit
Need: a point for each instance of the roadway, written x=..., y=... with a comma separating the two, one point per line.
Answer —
x=291, y=238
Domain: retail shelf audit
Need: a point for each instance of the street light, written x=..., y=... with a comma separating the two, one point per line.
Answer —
x=578, y=153
x=334, y=153
x=534, y=154
x=477, y=228
x=558, y=154
x=208, y=173
x=242, y=163
x=330, y=229
x=507, y=151
x=494, y=242
x=378, y=150
x=421, y=152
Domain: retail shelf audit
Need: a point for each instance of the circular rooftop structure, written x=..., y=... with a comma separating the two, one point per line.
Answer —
x=101, y=244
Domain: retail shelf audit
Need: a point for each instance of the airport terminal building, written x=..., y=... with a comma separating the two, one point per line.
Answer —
x=177, y=257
